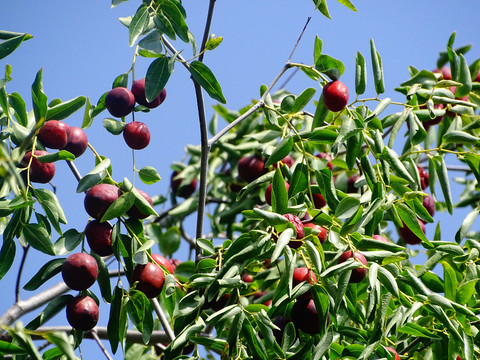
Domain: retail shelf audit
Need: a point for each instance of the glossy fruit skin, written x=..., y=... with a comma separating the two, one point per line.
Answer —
x=335, y=96
x=99, y=237
x=120, y=102
x=300, y=275
x=38, y=172
x=358, y=274
x=247, y=278
x=149, y=278
x=134, y=212
x=408, y=236
x=351, y=184
x=397, y=357
x=54, y=134
x=82, y=313
x=429, y=204
x=251, y=168
x=138, y=91
x=160, y=260
x=175, y=263
x=322, y=232
x=424, y=177
x=99, y=197
x=295, y=220
x=136, y=135
x=185, y=191
x=326, y=157
x=319, y=201
x=77, y=141
x=380, y=238
x=445, y=71
x=287, y=160
x=79, y=271
x=305, y=316
x=268, y=193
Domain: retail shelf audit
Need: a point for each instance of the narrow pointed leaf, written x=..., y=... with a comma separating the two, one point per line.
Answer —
x=205, y=78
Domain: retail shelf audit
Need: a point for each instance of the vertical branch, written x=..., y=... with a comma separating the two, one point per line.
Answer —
x=203, y=138
x=19, y=275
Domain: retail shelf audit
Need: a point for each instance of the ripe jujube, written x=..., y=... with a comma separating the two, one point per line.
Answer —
x=185, y=191
x=38, y=172
x=136, y=135
x=359, y=273
x=149, y=279
x=82, y=313
x=77, y=141
x=79, y=271
x=53, y=134
x=120, y=101
x=251, y=168
x=99, y=197
x=138, y=91
x=99, y=237
x=335, y=96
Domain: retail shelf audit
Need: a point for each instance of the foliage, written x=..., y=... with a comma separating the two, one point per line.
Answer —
x=424, y=311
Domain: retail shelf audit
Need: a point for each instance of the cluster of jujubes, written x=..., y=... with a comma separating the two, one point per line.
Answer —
x=120, y=102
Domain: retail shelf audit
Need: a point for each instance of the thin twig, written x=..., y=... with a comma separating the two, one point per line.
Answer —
x=100, y=345
x=74, y=170
x=299, y=38
x=206, y=32
x=163, y=319
x=20, y=270
x=260, y=103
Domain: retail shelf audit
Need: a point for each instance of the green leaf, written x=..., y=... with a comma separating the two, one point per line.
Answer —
x=17, y=103
x=9, y=348
x=321, y=5
x=279, y=193
x=94, y=177
x=348, y=4
x=205, y=78
x=360, y=74
x=323, y=136
x=119, y=207
x=464, y=77
x=175, y=17
x=46, y=272
x=152, y=42
x=39, y=99
x=149, y=175
x=113, y=126
x=157, y=76
x=56, y=156
x=117, y=319
x=65, y=109
x=458, y=136
x=282, y=150
x=38, y=237
x=442, y=174
x=138, y=24
x=7, y=256
x=377, y=69
x=51, y=206
x=53, y=308
x=331, y=67
x=103, y=279
x=317, y=48
x=68, y=241
x=9, y=46
x=347, y=207
x=299, y=180
x=170, y=241
x=411, y=221
x=303, y=99
x=269, y=114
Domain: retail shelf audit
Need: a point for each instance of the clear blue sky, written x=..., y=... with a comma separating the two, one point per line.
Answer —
x=82, y=47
